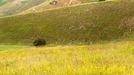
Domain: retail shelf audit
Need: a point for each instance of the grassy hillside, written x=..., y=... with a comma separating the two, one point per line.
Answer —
x=9, y=7
x=61, y=3
x=100, y=59
x=83, y=23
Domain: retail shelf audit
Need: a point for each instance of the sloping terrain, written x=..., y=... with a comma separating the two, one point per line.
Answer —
x=60, y=3
x=12, y=7
x=9, y=7
x=83, y=23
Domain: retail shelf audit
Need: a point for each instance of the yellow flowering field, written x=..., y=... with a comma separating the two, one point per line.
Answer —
x=115, y=58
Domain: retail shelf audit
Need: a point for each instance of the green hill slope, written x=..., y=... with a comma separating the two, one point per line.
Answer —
x=9, y=7
x=60, y=3
x=83, y=23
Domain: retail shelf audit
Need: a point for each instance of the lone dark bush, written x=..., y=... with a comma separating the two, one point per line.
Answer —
x=101, y=0
x=39, y=42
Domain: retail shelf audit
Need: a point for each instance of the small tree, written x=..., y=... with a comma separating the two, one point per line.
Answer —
x=101, y=0
x=39, y=42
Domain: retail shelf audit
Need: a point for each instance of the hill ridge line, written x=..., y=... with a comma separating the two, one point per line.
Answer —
x=58, y=8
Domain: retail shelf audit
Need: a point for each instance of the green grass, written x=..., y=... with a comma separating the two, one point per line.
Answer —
x=2, y=2
x=3, y=47
x=61, y=3
x=79, y=24
x=10, y=7
x=115, y=58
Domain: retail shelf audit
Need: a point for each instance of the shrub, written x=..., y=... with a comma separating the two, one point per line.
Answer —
x=101, y=0
x=39, y=42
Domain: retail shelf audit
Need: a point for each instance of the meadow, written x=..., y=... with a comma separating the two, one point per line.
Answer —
x=114, y=58
x=12, y=46
x=90, y=38
x=84, y=23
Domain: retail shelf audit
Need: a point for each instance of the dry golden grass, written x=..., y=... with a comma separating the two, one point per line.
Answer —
x=99, y=59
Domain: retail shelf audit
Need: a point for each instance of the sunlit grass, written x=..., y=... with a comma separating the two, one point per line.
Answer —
x=98, y=59
x=80, y=23
x=3, y=47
